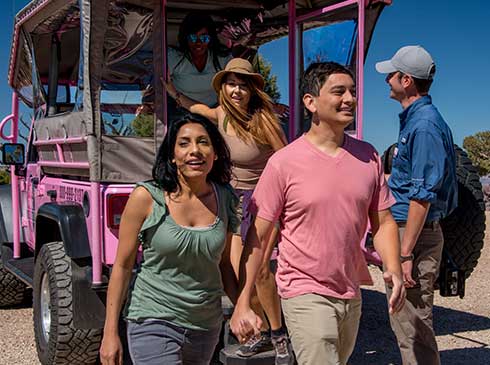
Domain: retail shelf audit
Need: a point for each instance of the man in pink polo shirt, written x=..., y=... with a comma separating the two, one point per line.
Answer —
x=322, y=188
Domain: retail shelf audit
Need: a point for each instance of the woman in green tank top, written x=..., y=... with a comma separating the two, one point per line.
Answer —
x=184, y=220
x=246, y=118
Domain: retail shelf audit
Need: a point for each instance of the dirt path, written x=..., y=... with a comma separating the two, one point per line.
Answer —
x=462, y=326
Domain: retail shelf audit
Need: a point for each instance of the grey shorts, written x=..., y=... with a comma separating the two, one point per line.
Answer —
x=154, y=341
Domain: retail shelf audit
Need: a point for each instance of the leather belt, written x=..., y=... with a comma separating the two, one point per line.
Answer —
x=431, y=225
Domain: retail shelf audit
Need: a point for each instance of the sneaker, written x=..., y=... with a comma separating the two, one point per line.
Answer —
x=256, y=344
x=284, y=353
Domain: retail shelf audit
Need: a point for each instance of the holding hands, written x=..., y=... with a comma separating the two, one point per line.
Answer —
x=244, y=323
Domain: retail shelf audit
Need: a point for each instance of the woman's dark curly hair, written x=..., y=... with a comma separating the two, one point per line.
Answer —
x=165, y=171
x=194, y=22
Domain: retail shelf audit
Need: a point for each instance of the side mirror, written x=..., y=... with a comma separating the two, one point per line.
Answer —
x=13, y=154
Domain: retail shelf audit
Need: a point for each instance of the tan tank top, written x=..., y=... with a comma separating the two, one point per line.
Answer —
x=248, y=157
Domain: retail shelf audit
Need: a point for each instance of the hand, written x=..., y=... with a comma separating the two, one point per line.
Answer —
x=244, y=323
x=111, y=351
x=143, y=109
x=398, y=294
x=407, y=267
x=169, y=86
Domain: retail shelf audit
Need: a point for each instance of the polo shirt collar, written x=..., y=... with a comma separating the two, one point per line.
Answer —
x=412, y=108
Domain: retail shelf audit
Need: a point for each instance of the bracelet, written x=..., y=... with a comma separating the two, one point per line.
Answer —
x=406, y=258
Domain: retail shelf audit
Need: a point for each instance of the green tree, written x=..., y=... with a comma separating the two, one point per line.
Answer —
x=270, y=87
x=478, y=147
x=4, y=177
x=143, y=125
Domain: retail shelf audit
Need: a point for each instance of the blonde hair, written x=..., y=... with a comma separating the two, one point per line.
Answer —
x=259, y=122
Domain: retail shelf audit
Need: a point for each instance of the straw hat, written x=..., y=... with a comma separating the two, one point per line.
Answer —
x=238, y=66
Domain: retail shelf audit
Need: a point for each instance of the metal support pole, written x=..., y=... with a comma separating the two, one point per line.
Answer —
x=96, y=243
x=14, y=179
x=293, y=107
x=360, y=66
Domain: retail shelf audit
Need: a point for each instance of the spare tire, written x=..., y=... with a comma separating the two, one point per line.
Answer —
x=464, y=228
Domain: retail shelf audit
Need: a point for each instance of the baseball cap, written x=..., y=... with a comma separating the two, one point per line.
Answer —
x=411, y=60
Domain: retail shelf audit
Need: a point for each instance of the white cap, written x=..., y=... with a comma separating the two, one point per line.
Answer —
x=411, y=60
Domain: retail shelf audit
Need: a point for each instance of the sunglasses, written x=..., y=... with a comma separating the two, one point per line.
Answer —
x=203, y=38
x=390, y=75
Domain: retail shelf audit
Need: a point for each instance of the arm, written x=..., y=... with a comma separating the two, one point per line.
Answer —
x=191, y=105
x=280, y=141
x=244, y=321
x=131, y=222
x=272, y=240
x=227, y=273
x=427, y=173
x=387, y=244
x=417, y=214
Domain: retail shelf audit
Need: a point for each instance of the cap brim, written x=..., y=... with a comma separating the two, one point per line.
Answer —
x=385, y=67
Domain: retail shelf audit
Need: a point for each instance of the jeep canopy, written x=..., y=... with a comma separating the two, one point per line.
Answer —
x=84, y=66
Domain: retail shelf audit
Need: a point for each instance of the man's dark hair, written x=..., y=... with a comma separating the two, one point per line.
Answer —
x=317, y=74
x=422, y=85
x=165, y=171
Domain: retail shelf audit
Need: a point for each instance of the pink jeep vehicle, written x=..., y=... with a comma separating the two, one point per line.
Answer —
x=84, y=68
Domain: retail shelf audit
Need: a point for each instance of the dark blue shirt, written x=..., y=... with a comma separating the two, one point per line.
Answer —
x=424, y=166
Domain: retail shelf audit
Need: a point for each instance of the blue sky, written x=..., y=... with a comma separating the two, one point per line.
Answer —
x=456, y=33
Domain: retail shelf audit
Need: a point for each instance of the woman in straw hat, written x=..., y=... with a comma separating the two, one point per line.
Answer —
x=246, y=119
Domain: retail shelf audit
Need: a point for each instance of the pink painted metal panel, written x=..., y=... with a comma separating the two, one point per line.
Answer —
x=69, y=165
x=111, y=237
x=324, y=10
x=33, y=199
x=96, y=244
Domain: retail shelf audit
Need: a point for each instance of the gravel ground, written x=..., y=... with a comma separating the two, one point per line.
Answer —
x=462, y=326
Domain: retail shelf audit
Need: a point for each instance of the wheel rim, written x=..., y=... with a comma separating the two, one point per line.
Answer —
x=45, y=307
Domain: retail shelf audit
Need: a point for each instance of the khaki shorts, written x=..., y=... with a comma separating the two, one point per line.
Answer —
x=323, y=329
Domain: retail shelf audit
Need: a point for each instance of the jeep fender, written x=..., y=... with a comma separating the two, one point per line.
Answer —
x=66, y=222
x=70, y=222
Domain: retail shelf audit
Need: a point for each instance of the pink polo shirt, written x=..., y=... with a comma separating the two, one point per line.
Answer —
x=322, y=203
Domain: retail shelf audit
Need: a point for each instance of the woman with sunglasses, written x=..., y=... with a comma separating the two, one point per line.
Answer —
x=246, y=119
x=195, y=61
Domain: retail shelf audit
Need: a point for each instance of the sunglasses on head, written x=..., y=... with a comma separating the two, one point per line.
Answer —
x=203, y=38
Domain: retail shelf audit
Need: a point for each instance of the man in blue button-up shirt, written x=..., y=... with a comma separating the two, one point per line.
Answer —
x=423, y=182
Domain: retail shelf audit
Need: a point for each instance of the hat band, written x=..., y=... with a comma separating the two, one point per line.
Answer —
x=239, y=68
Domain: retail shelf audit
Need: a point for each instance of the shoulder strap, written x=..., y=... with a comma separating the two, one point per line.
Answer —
x=156, y=192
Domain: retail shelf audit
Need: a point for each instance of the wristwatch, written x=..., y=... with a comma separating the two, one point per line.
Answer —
x=406, y=258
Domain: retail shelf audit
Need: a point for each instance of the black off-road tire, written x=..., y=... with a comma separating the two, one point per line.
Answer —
x=464, y=228
x=63, y=344
x=12, y=290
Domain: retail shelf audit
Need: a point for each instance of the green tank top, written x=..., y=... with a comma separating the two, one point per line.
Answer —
x=179, y=279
